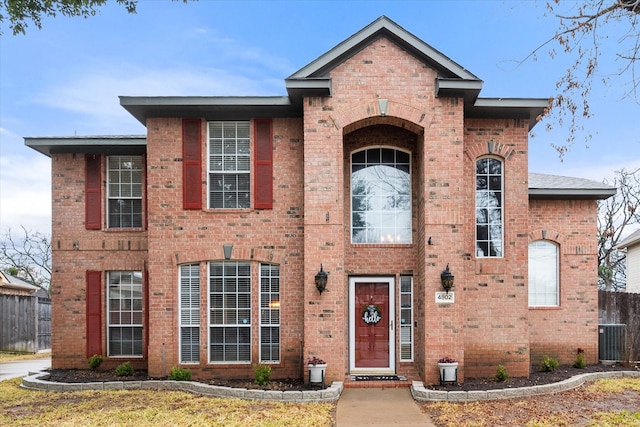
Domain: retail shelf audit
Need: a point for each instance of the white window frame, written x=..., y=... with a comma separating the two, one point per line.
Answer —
x=129, y=308
x=376, y=234
x=486, y=206
x=270, y=311
x=229, y=164
x=189, y=312
x=224, y=316
x=406, y=317
x=122, y=190
x=544, y=281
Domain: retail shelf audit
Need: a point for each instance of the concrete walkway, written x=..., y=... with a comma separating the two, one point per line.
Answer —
x=23, y=367
x=379, y=407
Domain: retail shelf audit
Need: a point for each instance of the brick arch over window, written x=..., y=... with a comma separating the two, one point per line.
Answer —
x=548, y=234
x=489, y=148
x=239, y=253
x=368, y=114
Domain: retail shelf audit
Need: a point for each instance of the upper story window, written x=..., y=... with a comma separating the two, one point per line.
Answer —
x=229, y=167
x=380, y=196
x=489, y=212
x=124, y=192
x=544, y=288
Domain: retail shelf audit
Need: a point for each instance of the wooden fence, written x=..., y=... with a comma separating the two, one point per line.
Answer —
x=620, y=308
x=25, y=323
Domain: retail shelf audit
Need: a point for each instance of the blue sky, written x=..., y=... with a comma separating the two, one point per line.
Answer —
x=65, y=79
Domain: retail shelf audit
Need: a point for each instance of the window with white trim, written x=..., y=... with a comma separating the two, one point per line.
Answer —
x=269, y=313
x=189, y=292
x=124, y=191
x=406, y=318
x=489, y=213
x=229, y=312
x=544, y=286
x=229, y=165
x=380, y=196
x=124, y=319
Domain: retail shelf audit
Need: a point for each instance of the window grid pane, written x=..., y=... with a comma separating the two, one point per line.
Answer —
x=124, y=192
x=406, y=318
x=189, y=317
x=489, y=212
x=381, y=196
x=229, y=165
x=229, y=312
x=124, y=322
x=269, y=313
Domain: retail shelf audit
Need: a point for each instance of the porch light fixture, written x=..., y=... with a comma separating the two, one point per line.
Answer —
x=382, y=106
x=447, y=279
x=321, y=280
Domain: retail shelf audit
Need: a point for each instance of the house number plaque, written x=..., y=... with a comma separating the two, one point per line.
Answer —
x=445, y=297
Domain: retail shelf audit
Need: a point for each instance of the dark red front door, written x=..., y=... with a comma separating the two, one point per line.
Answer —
x=372, y=325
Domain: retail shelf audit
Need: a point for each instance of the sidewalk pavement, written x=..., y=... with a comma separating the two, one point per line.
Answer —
x=23, y=367
x=379, y=407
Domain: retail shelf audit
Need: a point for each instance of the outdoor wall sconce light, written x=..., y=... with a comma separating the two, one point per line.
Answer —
x=447, y=279
x=382, y=106
x=321, y=280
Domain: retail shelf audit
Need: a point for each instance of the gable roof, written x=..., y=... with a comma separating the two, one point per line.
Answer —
x=543, y=186
x=631, y=240
x=12, y=282
x=314, y=80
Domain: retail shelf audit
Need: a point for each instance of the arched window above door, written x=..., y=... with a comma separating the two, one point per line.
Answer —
x=381, y=196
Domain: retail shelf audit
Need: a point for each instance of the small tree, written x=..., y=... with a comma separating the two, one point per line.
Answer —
x=27, y=256
x=615, y=215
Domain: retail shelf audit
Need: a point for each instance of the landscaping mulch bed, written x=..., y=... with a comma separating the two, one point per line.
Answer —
x=292, y=384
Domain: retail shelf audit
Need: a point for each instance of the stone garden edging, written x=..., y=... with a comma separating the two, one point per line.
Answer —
x=37, y=381
x=422, y=394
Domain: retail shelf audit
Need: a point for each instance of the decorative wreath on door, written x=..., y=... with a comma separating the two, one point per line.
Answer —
x=371, y=314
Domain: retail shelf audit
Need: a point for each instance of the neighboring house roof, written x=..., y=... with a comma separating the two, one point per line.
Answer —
x=631, y=240
x=314, y=80
x=542, y=186
x=12, y=282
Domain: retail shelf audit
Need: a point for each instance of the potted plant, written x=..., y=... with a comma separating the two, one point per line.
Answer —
x=448, y=368
x=317, y=368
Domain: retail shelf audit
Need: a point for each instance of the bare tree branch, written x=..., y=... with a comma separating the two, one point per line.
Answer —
x=29, y=255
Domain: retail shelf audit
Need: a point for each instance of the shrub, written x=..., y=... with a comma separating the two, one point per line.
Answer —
x=95, y=361
x=263, y=372
x=501, y=373
x=315, y=361
x=579, y=363
x=124, y=370
x=549, y=364
x=180, y=374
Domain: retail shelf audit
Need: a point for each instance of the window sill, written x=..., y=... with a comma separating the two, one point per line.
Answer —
x=544, y=307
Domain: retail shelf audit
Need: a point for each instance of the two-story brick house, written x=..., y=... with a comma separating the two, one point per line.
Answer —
x=198, y=244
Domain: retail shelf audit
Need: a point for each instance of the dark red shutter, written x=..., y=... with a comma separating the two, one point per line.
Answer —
x=94, y=313
x=263, y=164
x=92, y=192
x=191, y=164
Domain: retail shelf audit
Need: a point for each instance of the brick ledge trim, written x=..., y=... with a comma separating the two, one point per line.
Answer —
x=422, y=394
x=37, y=381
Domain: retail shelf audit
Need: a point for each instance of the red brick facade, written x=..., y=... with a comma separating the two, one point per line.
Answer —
x=309, y=224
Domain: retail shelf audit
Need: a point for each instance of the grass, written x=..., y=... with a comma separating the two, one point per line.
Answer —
x=20, y=407
x=602, y=403
x=13, y=357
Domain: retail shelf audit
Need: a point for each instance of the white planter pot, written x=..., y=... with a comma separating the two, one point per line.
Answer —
x=316, y=372
x=448, y=372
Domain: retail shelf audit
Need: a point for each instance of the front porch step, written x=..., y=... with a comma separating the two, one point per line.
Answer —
x=350, y=382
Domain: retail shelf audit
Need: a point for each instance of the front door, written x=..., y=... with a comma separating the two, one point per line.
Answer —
x=371, y=326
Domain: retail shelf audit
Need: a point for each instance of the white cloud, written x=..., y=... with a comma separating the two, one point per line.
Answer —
x=25, y=192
